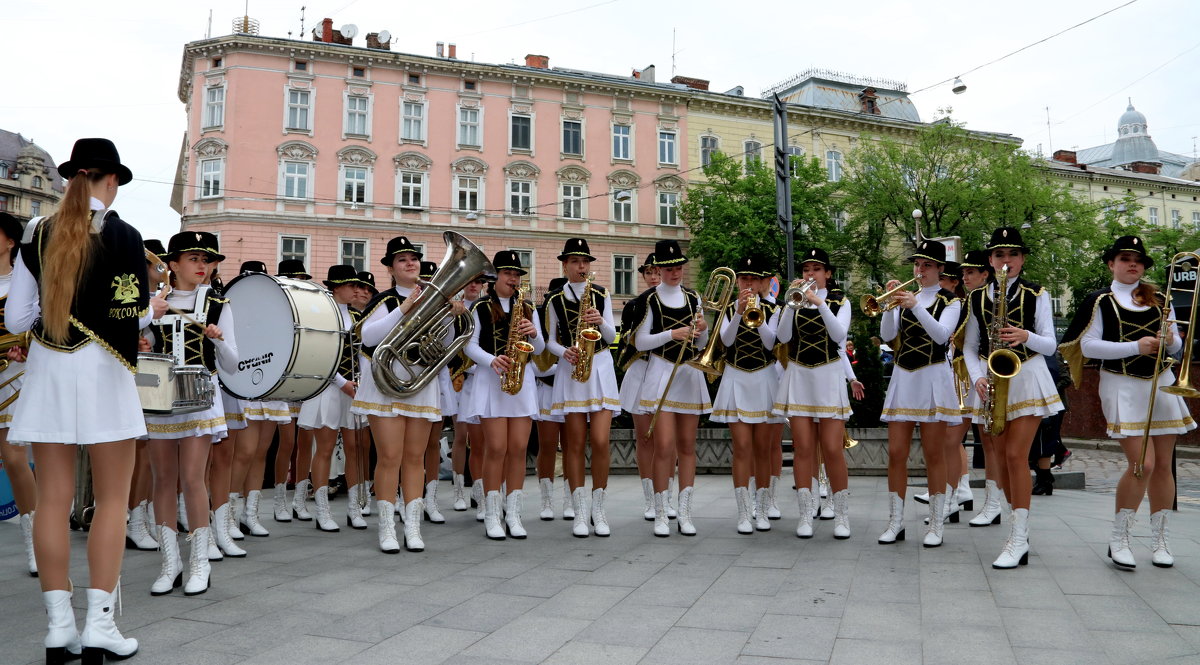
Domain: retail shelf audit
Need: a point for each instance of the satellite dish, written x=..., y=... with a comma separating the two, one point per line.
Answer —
x=349, y=31
x=384, y=37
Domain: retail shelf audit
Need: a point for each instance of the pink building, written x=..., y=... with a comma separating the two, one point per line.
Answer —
x=322, y=151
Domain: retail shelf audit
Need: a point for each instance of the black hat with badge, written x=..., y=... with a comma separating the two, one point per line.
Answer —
x=1007, y=237
x=576, y=247
x=99, y=154
x=1129, y=244
x=293, y=268
x=398, y=245
x=368, y=279
x=153, y=245
x=648, y=263
x=249, y=267
x=754, y=265
x=340, y=275
x=506, y=259
x=930, y=250
x=977, y=259
x=193, y=241
x=816, y=255
x=667, y=253
x=952, y=270
x=427, y=270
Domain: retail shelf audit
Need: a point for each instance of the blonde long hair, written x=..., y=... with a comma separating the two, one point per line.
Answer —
x=68, y=255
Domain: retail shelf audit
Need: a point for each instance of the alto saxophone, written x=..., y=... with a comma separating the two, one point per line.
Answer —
x=586, y=336
x=517, y=349
x=1002, y=362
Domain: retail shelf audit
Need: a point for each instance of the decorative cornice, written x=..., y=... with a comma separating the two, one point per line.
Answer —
x=412, y=161
x=356, y=156
x=211, y=147
x=522, y=169
x=573, y=174
x=468, y=166
x=297, y=150
x=623, y=178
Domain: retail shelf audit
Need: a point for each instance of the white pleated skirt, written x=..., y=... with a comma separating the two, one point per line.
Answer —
x=925, y=395
x=84, y=397
x=746, y=397
x=599, y=392
x=1124, y=399
x=631, y=385
x=545, y=397
x=1030, y=393
x=488, y=401
x=464, y=398
x=235, y=411
x=813, y=392
x=274, y=411
x=688, y=394
x=369, y=400
x=329, y=409
x=13, y=369
x=449, y=398
x=209, y=422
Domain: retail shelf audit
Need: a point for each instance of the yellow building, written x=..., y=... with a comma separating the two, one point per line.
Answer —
x=29, y=182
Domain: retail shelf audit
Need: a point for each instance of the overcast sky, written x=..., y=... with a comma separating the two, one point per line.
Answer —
x=76, y=69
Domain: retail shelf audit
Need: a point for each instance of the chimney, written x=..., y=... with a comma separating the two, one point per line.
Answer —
x=373, y=42
x=1145, y=167
x=441, y=50
x=695, y=84
x=453, y=51
x=538, y=61
x=327, y=31
x=1065, y=156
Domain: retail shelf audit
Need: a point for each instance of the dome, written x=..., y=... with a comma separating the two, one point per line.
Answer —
x=1131, y=116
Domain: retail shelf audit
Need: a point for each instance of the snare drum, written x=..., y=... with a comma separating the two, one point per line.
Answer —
x=168, y=389
x=289, y=336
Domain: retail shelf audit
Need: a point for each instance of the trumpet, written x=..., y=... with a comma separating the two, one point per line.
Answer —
x=870, y=304
x=753, y=316
x=797, y=296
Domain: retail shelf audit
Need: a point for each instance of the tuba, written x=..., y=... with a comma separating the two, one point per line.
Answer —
x=586, y=336
x=518, y=348
x=1002, y=363
x=427, y=323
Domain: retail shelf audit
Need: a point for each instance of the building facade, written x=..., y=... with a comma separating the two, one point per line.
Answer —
x=29, y=182
x=322, y=151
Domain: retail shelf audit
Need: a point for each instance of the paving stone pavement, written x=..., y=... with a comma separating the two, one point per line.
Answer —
x=303, y=596
x=1102, y=469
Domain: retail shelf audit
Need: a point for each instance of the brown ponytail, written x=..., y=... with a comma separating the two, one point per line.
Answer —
x=1145, y=295
x=68, y=255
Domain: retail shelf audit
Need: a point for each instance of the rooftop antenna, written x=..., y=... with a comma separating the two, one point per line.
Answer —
x=673, y=52
x=302, y=8
x=208, y=32
x=1049, y=138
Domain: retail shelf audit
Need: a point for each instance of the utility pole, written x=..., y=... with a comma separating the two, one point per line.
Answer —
x=783, y=187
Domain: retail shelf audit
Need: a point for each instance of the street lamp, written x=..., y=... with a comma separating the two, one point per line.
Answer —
x=959, y=87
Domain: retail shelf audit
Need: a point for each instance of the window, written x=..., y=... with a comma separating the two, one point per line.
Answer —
x=752, y=150
x=1153, y=215
x=35, y=207
x=468, y=85
x=354, y=184
x=301, y=66
x=708, y=146
x=622, y=209
x=4, y=202
x=1176, y=219
x=668, y=208
x=467, y=193
x=572, y=143
x=572, y=201
x=293, y=247
x=356, y=115
x=295, y=180
x=1056, y=305
x=212, y=172
x=37, y=183
x=795, y=155
x=622, y=274
x=214, y=107
x=298, y=109
x=3, y=170
x=359, y=72
x=412, y=189
x=833, y=165
x=525, y=256
x=521, y=135
x=666, y=148
x=468, y=127
x=621, y=135
x=354, y=253
x=1196, y=220
x=520, y=197
x=839, y=220
x=216, y=63
x=413, y=128
x=414, y=79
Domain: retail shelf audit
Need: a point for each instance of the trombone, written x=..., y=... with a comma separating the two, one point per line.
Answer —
x=1183, y=387
x=870, y=304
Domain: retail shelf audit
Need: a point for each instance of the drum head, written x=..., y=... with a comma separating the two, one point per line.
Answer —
x=264, y=326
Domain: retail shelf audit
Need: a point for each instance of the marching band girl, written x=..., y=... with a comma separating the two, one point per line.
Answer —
x=956, y=453
x=1119, y=326
x=291, y=269
x=549, y=425
x=671, y=326
x=458, y=378
x=506, y=416
x=179, y=444
x=635, y=363
x=747, y=392
x=1029, y=334
x=587, y=405
x=921, y=390
x=329, y=412
x=813, y=334
x=81, y=286
x=448, y=406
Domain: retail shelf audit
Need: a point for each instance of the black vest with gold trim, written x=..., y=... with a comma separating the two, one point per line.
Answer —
x=348, y=359
x=914, y=347
x=493, y=335
x=811, y=345
x=632, y=316
x=1126, y=325
x=197, y=349
x=1022, y=311
x=747, y=352
x=566, y=313
x=663, y=318
x=389, y=299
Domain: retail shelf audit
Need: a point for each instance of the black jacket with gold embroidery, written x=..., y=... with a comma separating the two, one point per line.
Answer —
x=1022, y=311
x=914, y=347
x=1120, y=325
x=197, y=349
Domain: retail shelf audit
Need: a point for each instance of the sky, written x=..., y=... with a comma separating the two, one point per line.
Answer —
x=76, y=69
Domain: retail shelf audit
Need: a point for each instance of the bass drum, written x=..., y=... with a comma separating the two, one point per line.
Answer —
x=289, y=335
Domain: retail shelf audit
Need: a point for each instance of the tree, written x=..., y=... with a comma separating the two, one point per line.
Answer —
x=732, y=214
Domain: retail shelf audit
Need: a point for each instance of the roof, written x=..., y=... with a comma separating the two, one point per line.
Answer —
x=11, y=145
x=1173, y=163
x=834, y=90
x=1067, y=168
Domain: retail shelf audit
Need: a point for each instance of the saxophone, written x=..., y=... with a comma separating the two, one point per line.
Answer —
x=518, y=348
x=586, y=336
x=1002, y=362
